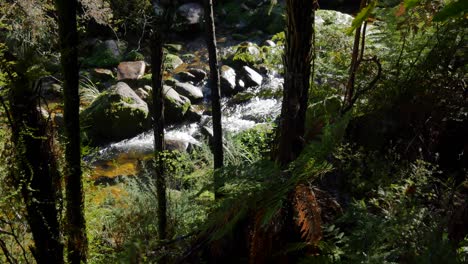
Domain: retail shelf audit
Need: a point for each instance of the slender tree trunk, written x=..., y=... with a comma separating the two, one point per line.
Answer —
x=157, y=57
x=160, y=27
x=36, y=174
x=215, y=92
x=77, y=242
x=297, y=67
x=355, y=61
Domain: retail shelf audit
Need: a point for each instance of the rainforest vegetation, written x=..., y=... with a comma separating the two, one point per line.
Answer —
x=233, y=131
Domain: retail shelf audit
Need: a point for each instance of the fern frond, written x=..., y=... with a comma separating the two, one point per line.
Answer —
x=308, y=214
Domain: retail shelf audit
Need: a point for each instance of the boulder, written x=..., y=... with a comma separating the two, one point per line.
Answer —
x=199, y=74
x=269, y=43
x=130, y=70
x=247, y=53
x=173, y=47
x=115, y=115
x=172, y=61
x=185, y=77
x=101, y=75
x=193, y=115
x=105, y=54
x=112, y=46
x=189, y=17
x=228, y=80
x=143, y=94
x=175, y=105
x=251, y=77
x=190, y=91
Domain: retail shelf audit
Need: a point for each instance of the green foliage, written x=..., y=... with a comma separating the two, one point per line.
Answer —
x=131, y=15
x=408, y=4
x=246, y=54
x=101, y=58
x=134, y=56
x=362, y=16
x=457, y=8
x=113, y=211
x=255, y=142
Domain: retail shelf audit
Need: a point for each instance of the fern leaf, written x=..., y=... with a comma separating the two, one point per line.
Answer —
x=308, y=214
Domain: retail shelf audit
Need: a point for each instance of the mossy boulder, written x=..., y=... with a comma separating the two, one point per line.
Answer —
x=246, y=54
x=172, y=61
x=175, y=105
x=115, y=115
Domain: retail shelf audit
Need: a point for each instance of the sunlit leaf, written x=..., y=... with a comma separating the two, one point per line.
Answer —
x=408, y=4
x=361, y=17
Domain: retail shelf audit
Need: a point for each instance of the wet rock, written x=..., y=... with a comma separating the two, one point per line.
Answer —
x=186, y=77
x=176, y=145
x=207, y=133
x=190, y=91
x=130, y=70
x=240, y=84
x=199, y=74
x=269, y=43
x=115, y=115
x=251, y=77
x=228, y=80
x=193, y=115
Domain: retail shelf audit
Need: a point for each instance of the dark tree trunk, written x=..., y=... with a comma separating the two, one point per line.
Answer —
x=157, y=56
x=215, y=92
x=36, y=174
x=77, y=242
x=297, y=67
x=160, y=27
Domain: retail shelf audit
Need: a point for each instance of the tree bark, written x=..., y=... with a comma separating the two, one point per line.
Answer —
x=215, y=92
x=77, y=241
x=297, y=67
x=157, y=56
x=36, y=174
x=160, y=27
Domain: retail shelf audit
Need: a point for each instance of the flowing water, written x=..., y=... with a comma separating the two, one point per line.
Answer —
x=122, y=158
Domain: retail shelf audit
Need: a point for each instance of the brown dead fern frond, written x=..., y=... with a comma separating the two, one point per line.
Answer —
x=308, y=214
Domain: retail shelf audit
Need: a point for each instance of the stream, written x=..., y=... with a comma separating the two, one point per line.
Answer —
x=122, y=158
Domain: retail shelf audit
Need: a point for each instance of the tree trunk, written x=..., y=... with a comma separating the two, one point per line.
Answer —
x=77, y=242
x=215, y=92
x=36, y=174
x=160, y=27
x=157, y=56
x=355, y=61
x=297, y=67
